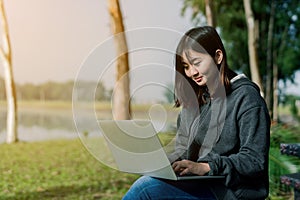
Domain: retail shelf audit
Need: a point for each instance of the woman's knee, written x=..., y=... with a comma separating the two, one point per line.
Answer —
x=142, y=188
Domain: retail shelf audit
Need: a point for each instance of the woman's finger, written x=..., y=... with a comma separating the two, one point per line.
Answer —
x=176, y=166
x=184, y=172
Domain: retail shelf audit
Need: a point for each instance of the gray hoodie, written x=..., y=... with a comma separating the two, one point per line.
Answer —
x=232, y=135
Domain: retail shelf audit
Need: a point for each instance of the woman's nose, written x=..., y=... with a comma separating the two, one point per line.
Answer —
x=193, y=70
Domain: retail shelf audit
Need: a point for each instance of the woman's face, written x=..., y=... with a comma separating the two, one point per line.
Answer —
x=200, y=67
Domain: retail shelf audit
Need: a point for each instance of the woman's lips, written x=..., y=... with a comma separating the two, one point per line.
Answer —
x=198, y=79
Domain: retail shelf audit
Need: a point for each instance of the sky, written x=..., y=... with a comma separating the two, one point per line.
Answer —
x=52, y=39
x=61, y=40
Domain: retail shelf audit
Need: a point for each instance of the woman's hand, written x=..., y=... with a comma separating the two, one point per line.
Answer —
x=185, y=167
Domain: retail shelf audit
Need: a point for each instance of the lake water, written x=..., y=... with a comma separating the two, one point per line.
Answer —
x=47, y=124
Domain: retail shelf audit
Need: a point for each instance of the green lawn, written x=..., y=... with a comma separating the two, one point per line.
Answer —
x=57, y=170
x=64, y=169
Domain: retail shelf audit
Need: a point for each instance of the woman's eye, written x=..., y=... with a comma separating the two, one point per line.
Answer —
x=197, y=63
x=185, y=66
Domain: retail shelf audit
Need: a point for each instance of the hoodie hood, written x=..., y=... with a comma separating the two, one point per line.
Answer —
x=241, y=80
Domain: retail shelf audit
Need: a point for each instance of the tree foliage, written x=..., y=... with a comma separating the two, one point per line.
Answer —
x=287, y=38
x=62, y=91
x=233, y=29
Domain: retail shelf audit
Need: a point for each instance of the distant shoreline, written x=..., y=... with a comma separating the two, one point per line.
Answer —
x=68, y=105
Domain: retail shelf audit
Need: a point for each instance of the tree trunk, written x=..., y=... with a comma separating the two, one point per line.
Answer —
x=6, y=56
x=209, y=12
x=269, y=87
x=121, y=96
x=275, y=93
x=252, y=40
x=276, y=52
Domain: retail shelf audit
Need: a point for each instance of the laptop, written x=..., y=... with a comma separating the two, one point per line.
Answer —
x=137, y=149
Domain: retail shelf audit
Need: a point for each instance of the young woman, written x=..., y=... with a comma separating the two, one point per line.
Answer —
x=223, y=128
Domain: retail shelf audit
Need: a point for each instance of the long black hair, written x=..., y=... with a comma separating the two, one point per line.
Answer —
x=203, y=39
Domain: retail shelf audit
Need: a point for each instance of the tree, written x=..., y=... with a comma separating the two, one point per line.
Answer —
x=278, y=46
x=201, y=6
x=6, y=56
x=2, y=89
x=286, y=41
x=252, y=43
x=121, y=96
x=269, y=83
x=209, y=12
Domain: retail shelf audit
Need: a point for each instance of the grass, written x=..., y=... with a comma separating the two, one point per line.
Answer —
x=57, y=170
x=42, y=104
x=67, y=105
x=64, y=169
x=60, y=169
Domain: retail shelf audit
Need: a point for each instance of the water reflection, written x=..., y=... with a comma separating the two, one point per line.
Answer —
x=47, y=124
x=36, y=125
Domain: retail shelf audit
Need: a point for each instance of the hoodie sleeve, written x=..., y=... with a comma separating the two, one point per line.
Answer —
x=185, y=120
x=181, y=141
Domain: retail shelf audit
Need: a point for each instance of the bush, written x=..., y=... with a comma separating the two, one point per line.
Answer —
x=282, y=164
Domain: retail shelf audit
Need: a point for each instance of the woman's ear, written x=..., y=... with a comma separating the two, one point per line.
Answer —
x=218, y=56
